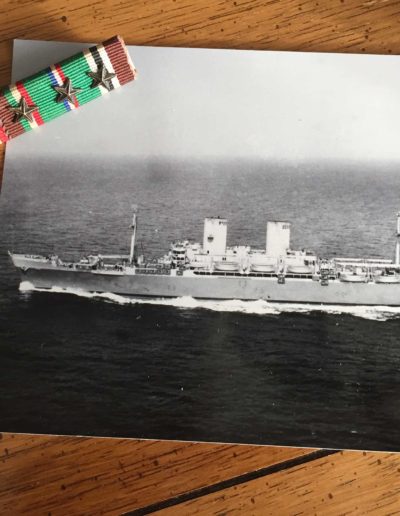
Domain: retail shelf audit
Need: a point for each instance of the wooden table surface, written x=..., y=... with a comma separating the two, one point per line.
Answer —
x=85, y=476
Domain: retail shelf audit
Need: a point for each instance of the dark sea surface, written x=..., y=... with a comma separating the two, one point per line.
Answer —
x=228, y=371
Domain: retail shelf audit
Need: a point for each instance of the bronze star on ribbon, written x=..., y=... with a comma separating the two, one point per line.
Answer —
x=66, y=91
x=23, y=111
x=102, y=77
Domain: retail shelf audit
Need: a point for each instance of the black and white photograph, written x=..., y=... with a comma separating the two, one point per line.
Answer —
x=210, y=254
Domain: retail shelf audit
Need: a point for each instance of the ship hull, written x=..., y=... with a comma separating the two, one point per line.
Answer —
x=294, y=290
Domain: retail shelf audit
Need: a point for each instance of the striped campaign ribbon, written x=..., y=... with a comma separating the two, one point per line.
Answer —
x=65, y=86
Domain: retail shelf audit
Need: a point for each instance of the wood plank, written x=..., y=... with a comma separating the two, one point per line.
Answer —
x=324, y=25
x=69, y=475
x=345, y=483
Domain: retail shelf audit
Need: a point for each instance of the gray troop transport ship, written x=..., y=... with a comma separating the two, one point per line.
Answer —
x=214, y=271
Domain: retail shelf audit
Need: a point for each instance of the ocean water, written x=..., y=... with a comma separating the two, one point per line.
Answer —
x=231, y=371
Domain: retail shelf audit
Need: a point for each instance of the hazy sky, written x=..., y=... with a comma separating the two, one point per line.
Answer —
x=228, y=103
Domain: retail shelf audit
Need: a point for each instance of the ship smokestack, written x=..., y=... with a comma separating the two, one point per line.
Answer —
x=278, y=238
x=214, y=238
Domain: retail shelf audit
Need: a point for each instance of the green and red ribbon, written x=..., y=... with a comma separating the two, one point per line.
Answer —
x=38, y=89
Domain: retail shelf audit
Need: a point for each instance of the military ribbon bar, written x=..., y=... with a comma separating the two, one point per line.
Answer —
x=63, y=87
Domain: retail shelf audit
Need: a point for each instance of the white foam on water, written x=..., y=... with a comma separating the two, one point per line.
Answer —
x=259, y=307
x=26, y=286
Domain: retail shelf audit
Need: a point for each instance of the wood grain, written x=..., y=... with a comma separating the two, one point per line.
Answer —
x=116, y=474
x=85, y=476
x=344, y=483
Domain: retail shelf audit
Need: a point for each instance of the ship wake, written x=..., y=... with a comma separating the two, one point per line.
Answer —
x=260, y=307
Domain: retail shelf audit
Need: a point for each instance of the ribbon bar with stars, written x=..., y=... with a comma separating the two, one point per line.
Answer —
x=29, y=103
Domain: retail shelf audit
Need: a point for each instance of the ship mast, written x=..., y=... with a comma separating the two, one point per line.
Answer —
x=133, y=237
x=397, y=257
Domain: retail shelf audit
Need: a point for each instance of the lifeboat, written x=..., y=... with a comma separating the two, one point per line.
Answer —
x=262, y=267
x=299, y=269
x=390, y=278
x=225, y=266
x=351, y=277
x=198, y=265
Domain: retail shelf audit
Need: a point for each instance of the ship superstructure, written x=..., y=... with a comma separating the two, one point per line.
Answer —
x=212, y=270
x=214, y=257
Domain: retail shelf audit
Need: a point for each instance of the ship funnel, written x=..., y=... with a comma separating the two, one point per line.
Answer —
x=214, y=238
x=278, y=238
